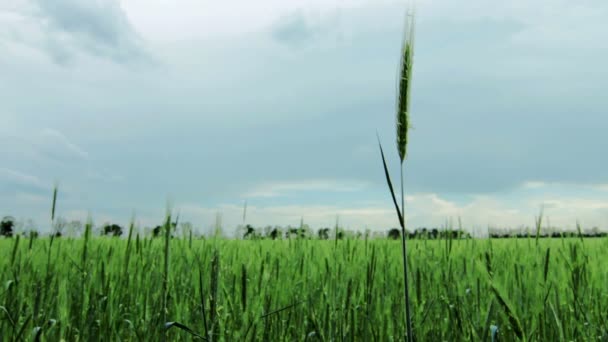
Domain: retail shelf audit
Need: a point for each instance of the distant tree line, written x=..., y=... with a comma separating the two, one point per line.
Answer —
x=249, y=232
x=594, y=233
x=8, y=228
x=429, y=234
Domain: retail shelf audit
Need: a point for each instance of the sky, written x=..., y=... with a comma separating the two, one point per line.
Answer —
x=133, y=105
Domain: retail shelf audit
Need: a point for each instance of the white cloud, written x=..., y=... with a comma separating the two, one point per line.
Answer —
x=27, y=198
x=276, y=189
x=431, y=210
x=560, y=186
x=105, y=176
x=601, y=187
x=55, y=144
x=533, y=185
x=194, y=19
x=41, y=146
x=422, y=210
x=19, y=178
x=316, y=216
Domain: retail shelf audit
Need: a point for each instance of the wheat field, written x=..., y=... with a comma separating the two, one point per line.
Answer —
x=169, y=289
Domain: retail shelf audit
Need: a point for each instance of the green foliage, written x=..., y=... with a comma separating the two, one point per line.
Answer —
x=293, y=289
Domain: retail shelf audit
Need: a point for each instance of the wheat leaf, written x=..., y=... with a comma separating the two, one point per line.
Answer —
x=390, y=185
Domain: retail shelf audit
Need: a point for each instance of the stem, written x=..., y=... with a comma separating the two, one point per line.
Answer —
x=166, y=273
x=408, y=317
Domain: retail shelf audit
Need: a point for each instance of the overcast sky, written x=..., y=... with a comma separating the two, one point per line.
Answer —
x=208, y=104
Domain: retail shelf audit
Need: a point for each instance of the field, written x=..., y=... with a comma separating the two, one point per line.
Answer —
x=144, y=289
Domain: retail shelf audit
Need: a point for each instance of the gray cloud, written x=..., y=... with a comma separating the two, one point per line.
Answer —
x=299, y=28
x=294, y=29
x=490, y=110
x=97, y=28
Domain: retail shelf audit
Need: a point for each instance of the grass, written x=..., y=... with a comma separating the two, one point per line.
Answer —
x=301, y=290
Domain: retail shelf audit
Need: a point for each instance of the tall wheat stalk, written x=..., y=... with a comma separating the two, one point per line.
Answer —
x=402, y=125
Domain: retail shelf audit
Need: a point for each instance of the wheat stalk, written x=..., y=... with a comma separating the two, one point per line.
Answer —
x=403, y=108
x=402, y=125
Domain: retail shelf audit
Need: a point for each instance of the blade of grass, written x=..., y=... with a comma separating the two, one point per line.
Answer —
x=178, y=325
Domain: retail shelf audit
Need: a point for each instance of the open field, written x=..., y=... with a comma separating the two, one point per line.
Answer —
x=500, y=111
x=302, y=290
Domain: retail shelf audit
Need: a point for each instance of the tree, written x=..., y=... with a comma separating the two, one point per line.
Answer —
x=59, y=226
x=434, y=233
x=394, y=234
x=323, y=233
x=275, y=233
x=112, y=229
x=156, y=231
x=300, y=233
x=7, y=226
x=291, y=231
x=74, y=228
x=250, y=232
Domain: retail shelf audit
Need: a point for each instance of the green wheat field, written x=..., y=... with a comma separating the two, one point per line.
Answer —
x=149, y=289
x=358, y=288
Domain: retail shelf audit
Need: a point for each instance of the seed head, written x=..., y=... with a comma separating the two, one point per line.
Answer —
x=405, y=82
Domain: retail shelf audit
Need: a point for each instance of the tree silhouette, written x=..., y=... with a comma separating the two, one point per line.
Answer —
x=323, y=233
x=112, y=229
x=7, y=226
x=250, y=232
x=59, y=225
x=434, y=233
x=291, y=232
x=394, y=234
x=275, y=233
x=156, y=231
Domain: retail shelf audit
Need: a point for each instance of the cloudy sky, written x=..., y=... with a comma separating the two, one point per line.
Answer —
x=207, y=104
